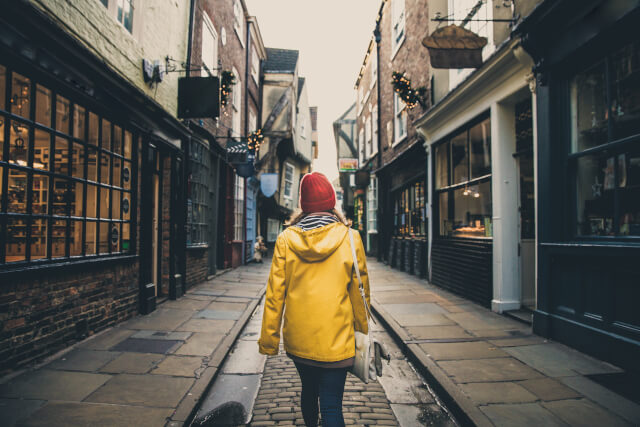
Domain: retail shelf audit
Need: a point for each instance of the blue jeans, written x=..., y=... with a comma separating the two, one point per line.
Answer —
x=327, y=384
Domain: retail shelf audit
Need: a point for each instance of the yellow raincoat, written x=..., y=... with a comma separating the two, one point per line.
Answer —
x=312, y=281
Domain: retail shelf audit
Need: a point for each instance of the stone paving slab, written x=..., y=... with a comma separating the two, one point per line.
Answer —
x=200, y=344
x=14, y=410
x=65, y=414
x=218, y=314
x=107, y=339
x=48, y=384
x=245, y=360
x=83, y=360
x=533, y=381
x=132, y=363
x=207, y=325
x=179, y=366
x=142, y=390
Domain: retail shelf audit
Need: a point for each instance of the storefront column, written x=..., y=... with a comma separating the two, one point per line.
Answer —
x=531, y=79
x=504, y=189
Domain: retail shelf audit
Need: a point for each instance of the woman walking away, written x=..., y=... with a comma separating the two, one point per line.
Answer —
x=312, y=275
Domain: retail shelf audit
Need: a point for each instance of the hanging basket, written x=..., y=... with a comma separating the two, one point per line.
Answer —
x=455, y=47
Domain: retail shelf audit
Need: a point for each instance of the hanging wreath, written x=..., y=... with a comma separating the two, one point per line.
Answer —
x=255, y=140
x=228, y=79
x=410, y=96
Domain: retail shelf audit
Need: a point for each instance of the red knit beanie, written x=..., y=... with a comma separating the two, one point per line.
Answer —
x=316, y=193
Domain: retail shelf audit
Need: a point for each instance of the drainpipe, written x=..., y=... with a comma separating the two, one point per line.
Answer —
x=192, y=16
x=378, y=39
x=246, y=133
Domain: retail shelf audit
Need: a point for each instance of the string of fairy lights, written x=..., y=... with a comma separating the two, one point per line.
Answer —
x=410, y=96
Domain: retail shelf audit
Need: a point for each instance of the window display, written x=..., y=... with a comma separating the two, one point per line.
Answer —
x=463, y=183
x=605, y=109
x=409, y=210
x=59, y=202
x=197, y=197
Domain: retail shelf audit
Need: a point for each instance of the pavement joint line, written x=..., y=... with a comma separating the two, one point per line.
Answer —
x=470, y=339
x=190, y=406
x=463, y=410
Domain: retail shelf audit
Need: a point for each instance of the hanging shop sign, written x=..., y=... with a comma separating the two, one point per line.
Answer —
x=268, y=184
x=455, y=47
x=347, y=165
x=198, y=97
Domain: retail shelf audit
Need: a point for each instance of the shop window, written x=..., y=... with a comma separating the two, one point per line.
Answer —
x=238, y=209
x=605, y=157
x=463, y=183
x=409, y=210
x=372, y=206
x=288, y=180
x=62, y=178
x=198, y=191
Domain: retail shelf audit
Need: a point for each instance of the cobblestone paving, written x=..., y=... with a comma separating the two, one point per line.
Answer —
x=278, y=401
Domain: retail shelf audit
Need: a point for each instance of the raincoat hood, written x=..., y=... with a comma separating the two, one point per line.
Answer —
x=317, y=244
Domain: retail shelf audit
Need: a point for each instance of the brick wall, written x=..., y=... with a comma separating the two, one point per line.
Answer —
x=41, y=314
x=197, y=266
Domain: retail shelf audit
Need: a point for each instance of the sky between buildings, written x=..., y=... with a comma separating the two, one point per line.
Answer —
x=332, y=37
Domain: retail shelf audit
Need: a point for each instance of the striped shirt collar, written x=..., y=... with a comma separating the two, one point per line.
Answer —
x=311, y=222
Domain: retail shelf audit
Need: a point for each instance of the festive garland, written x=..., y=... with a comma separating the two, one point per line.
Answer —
x=255, y=140
x=228, y=80
x=411, y=97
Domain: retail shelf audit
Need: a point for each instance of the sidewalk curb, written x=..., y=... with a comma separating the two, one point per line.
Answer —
x=187, y=409
x=460, y=406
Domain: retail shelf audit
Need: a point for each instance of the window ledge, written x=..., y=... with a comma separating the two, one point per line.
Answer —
x=62, y=265
x=399, y=45
x=402, y=139
x=197, y=247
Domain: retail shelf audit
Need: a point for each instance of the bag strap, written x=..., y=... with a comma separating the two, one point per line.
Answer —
x=357, y=268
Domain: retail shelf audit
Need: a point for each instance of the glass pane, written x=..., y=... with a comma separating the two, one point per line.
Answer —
x=39, y=193
x=18, y=144
x=17, y=191
x=480, y=140
x=128, y=15
x=125, y=241
x=589, y=109
x=116, y=213
x=92, y=163
x=58, y=238
x=472, y=211
x=61, y=159
x=60, y=196
x=93, y=129
x=16, y=239
x=629, y=184
x=595, y=182
x=41, y=150
x=104, y=238
x=114, y=236
x=91, y=239
x=625, y=102
x=63, y=112
x=127, y=144
x=104, y=168
x=460, y=158
x=38, y=238
x=3, y=120
x=3, y=86
x=104, y=203
x=92, y=200
x=78, y=121
x=126, y=206
x=77, y=168
x=126, y=175
x=106, y=135
x=117, y=140
x=76, y=238
x=443, y=212
x=442, y=179
x=43, y=105
x=117, y=170
x=76, y=199
x=20, y=95
x=1, y=178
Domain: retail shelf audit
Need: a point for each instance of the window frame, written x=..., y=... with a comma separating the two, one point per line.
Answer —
x=199, y=169
x=398, y=20
x=372, y=206
x=208, y=25
x=613, y=147
x=367, y=137
x=74, y=182
x=238, y=20
x=287, y=166
x=255, y=66
x=112, y=9
x=449, y=186
x=236, y=105
x=238, y=208
x=375, y=134
x=399, y=115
